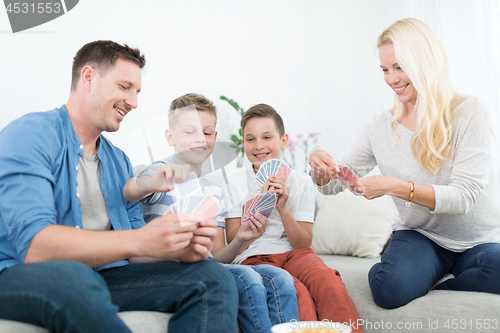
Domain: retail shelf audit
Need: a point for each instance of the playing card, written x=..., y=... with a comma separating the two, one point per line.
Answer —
x=271, y=167
x=205, y=206
x=283, y=171
x=262, y=203
x=189, y=186
x=346, y=174
x=347, y=177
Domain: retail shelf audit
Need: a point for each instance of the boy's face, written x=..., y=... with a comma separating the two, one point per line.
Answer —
x=262, y=141
x=193, y=136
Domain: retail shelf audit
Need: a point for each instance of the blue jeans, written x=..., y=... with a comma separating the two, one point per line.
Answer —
x=267, y=297
x=413, y=264
x=67, y=296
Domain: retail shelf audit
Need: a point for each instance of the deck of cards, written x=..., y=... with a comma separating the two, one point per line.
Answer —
x=271, y=167
x=191, y=199
x=264, y=204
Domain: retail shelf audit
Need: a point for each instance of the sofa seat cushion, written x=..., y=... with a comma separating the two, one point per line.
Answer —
x=437, y=311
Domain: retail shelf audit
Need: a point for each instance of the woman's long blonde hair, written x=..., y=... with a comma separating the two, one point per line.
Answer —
x=421, y=55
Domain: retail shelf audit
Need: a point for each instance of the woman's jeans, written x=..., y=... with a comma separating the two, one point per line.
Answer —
x=267, y=297
x=413, y=264
x=67, y=296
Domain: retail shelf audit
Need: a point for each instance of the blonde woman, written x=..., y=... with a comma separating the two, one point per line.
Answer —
x=433, y=150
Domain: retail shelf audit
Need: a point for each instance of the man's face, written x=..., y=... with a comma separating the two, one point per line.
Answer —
x=193, y=136
x=114, y=94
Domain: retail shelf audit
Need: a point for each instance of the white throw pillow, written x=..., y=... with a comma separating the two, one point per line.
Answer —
x=348, y=224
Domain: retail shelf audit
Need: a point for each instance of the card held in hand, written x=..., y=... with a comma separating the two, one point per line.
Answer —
x=271, y=167
x=263, y=203
x=347, y=177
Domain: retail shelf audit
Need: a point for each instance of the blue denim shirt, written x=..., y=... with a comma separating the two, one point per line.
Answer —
x=39, y=155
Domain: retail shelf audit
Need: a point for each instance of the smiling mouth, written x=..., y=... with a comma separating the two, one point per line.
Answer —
x=123, y=113
x=199, y=149
x=400, y=89
x=261, y=155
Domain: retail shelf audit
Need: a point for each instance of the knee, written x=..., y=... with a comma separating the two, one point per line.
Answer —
x=218, y=278
x=279, y=278
x=248, y=280
x=387, y=292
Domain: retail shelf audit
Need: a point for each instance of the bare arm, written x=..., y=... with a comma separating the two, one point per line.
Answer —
x=133, y=192
x=158, y=240
x=299, y=233
x=162, y=180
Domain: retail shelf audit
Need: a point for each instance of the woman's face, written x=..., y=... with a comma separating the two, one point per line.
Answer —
x=395, y=77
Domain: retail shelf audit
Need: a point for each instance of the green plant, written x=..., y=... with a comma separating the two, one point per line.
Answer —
x=237, y=143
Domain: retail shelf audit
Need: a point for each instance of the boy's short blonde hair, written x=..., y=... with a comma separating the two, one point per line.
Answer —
x=198, y=100
x=263, y=111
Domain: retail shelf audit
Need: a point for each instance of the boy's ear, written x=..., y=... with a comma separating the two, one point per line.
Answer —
x=169, y=137
x=284, y=141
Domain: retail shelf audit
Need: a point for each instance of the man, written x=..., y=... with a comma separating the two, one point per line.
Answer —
x=62, y=213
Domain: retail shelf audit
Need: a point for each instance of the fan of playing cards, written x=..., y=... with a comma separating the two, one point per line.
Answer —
x=190, y=199
x=271, y=167
x=263, y=203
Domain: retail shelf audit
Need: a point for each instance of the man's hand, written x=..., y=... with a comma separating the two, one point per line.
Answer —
x=201, y=243
x=252, y=229
x=164, y=236
x=323, y=167
x=164, y=177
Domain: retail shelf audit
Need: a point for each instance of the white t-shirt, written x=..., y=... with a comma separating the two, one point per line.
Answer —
x=467, y=203
x=242, y=187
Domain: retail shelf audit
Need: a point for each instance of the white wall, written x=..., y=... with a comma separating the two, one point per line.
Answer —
x=315, y=61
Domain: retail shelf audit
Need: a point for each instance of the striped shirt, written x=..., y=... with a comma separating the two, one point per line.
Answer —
x=159, y=203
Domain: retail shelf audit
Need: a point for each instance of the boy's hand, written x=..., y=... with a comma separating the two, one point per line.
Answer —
x=323, y=167
x=267, y=187
x=281, y=190
x=201, y=243
x=252, y=229
x=164, y=177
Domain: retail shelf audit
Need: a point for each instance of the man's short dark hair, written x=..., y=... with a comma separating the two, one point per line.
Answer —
x=263, y=111
x=102, y=55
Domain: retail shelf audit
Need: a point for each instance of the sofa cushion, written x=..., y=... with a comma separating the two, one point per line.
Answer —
x=438, y=311
x=348, y=224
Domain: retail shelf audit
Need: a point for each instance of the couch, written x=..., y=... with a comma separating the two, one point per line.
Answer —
x=350, y=232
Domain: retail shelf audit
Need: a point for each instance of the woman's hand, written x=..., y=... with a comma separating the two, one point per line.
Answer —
x=323, y=167
x=373, y=187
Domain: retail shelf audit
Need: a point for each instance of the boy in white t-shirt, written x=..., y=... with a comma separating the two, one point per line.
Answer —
x=266, y=293
x=288, y=236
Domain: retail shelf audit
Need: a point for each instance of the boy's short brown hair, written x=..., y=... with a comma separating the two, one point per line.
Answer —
x=198, y=100
x=263, y=111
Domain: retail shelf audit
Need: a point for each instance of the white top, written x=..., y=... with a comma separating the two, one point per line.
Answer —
x=242, y=187
x=467, y=203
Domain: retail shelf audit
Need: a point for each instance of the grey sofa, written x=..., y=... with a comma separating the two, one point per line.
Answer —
x=439, y=311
